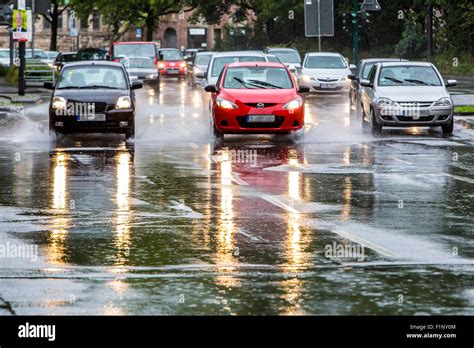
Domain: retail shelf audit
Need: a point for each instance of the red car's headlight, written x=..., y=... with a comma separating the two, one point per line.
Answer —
x=182, y=65
x=294, y=104
x=161, y=65
x=225, y=104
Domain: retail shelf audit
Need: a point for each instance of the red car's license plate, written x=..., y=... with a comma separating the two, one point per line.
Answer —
x=260, y=118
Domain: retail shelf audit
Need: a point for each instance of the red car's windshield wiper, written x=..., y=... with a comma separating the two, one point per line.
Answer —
x=263, y=83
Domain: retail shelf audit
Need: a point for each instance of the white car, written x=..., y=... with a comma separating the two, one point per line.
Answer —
x=5, y=57
x=326, y=73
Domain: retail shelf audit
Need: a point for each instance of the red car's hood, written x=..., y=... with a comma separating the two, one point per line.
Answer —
x=259, y=95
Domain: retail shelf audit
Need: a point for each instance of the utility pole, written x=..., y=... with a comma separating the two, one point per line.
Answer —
x=33, y=20
x=430, y=30
x=21, y=71
x=355, y=31
x=319, y=25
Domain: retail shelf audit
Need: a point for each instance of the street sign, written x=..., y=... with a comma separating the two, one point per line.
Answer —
x=319, y=18
x=21, y=5
x=138, y=33
x=371, y=5
x=41, y=6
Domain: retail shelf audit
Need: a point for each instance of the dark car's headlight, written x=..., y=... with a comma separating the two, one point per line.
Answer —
x=124, y=102
x=59, y=103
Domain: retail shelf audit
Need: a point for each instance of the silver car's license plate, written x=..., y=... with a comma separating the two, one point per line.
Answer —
x=260, y=118
x=91, y=118
x=328, y=85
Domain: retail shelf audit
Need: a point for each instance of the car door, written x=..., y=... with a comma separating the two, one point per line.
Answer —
x=367, y=93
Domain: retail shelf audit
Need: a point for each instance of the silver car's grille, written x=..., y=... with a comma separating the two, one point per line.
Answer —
x=328, y=79
x=415, y=104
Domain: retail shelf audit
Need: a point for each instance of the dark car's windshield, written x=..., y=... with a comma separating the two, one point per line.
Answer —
x=257, y=77
x=93, y=55
x=69, y=57
x=86, y=77
x=287, y=56
x=170, y=55
x=203, y=59
x=408, y=76
x=135, y=50
x=38, y=54
x=220, y=62
x=325, y=62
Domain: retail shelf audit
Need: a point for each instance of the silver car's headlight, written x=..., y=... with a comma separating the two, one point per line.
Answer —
x=385, y=102
x=152, y=76
x=306, y=77
x=443, y=102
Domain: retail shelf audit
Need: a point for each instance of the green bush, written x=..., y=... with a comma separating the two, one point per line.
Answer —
x=12, y=75
x=3, y=70
x=413, y=42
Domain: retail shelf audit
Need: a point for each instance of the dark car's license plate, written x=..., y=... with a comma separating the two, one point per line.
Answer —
x=260, y=118
x=91, y=118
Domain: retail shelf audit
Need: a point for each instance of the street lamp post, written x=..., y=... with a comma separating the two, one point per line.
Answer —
x=355, y=28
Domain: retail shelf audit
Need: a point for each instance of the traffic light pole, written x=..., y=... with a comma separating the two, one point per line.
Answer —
x=355, y=31
x=12, y=46
x=21, y=71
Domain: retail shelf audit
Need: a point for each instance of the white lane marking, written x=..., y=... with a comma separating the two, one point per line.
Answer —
x=280, y=204
x=371, y=245
x=251, y=236
x=402, y=161
x=235, y=177
x=460, y=178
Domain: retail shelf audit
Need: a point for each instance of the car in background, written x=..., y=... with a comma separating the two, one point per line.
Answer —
x=406, y=94
x=326, y=73
x=273, y=59
x=171, y=63
x=190, y=53
x=119, y=50
x=198, y=65
x=39, y=54
x=52, y=54
x=217, y=64
x=93, y=97
x=63, y=58
x=361, y=73
x=5, y=57
x=288, y=56
x=92, y=54
x=252, y=97
x=143, y=69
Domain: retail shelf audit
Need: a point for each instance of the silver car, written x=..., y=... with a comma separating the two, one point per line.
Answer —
x=5, y=57
x=406, y=94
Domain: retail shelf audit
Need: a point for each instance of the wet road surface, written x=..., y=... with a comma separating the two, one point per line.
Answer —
x=172, y=224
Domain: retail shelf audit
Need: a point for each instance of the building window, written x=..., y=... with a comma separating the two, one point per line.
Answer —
x=60, y=21
x=96, y=20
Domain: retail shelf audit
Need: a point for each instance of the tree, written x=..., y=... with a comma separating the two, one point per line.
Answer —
x=52, y=16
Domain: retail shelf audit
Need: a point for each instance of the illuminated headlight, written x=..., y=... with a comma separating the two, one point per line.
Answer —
x=161, y=65
x=182, y=65
x=443, y=102
x=59, y=103
x=152, y=76
x=308, y=78
x=294, y=104
x=124, y=103
x=50, y=65
x=225, y=104
x=385, y=103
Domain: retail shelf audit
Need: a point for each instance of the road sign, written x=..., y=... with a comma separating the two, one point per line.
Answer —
x=138, y=33
x=319, y=18
x=371, y=5
x=21, y=5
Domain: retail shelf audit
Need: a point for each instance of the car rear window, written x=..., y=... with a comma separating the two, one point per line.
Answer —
x=220, y=62
x=135, y=50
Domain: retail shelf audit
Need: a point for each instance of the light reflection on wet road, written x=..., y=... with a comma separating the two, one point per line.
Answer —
x=171, y=224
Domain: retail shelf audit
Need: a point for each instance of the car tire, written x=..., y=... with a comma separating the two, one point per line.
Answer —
x=130, y=133
x=216, y=136
x=364, y=124
x=375, y=127
x=448, y=129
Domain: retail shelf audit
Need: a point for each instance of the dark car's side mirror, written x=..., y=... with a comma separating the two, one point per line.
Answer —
x=137, y=85
x=49, y=85
x=303, y=89
x=211, y=88
x=201, y=75
x=451, y=83
x=366, y=83
x=351, y=77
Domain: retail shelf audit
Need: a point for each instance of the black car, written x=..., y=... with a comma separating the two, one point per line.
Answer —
x=93, y=97
x=63, y=58
x=361, y=73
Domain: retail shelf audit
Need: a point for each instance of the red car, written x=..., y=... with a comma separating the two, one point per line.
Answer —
x=256, y=98
x=171, y=63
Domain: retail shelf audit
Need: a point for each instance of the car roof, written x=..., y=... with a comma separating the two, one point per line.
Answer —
x=134, y=43
x=382, y=60
x=168, y=49
x=315, y=54
x=201, y=53
x=95, y=62
x=281, y=49
x=256, y=64
x=405, y=64
x=239, y=54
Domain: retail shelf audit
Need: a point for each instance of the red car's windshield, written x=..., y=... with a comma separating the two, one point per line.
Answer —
x=257, y=77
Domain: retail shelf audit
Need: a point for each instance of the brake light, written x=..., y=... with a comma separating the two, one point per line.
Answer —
x=117, y=60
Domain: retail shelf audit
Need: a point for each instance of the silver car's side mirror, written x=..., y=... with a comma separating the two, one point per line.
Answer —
x=366, y=83
x=451, y=83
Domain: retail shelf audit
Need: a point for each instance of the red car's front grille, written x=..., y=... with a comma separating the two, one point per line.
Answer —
x=260, y=105
x=242, y=121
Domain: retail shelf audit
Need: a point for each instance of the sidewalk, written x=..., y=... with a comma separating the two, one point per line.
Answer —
x=10, y=100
